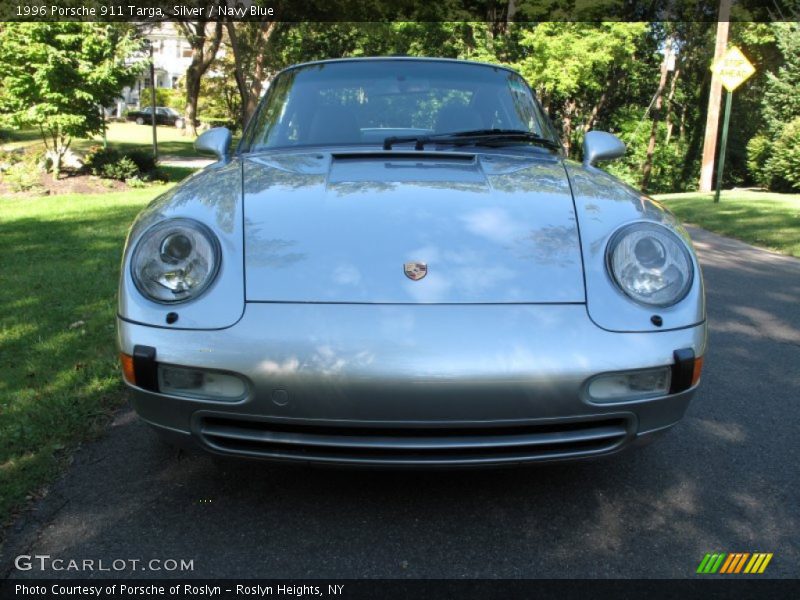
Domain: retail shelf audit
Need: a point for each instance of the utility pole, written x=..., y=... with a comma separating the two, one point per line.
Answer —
x=714, y=98
x=153, y=101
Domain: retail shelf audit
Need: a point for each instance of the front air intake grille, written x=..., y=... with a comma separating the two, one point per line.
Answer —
x=413, y=445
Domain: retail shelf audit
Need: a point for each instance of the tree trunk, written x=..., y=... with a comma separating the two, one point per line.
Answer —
x=596, y=110
x=56, y=165
x=569, y=109
x=647, y=169
x=668, y=117
x=249, y=80
x=192, y=96
x=204, y=51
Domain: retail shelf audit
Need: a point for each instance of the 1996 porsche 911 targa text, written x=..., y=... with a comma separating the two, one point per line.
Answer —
x=399, y=266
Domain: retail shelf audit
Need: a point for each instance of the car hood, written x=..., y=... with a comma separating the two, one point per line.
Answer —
x=339, y=227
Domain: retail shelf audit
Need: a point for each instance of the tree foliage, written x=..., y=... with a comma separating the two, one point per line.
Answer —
x=56, y=76
x=773, y=159
x=781, y=98
x=589, y=75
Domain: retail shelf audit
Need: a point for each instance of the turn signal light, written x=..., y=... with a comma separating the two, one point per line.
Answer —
x=698, y=366
x=128, y=372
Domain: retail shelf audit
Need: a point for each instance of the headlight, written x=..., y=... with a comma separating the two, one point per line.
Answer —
x=650, y=264
x=175, y=261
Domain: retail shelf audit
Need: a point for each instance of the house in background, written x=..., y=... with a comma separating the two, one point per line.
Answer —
x=172, y=55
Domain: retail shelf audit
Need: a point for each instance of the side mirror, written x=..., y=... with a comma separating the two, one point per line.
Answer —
x=599, y=145
x=216, y=141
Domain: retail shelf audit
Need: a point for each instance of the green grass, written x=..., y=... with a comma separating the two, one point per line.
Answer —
x=122, y=136
x=59, y=259
x=764, y=219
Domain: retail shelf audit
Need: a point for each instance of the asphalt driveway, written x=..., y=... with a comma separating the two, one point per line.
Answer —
x=726, y=479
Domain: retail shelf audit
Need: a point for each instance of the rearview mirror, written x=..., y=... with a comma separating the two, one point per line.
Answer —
x=599, y=145
x=216, y=141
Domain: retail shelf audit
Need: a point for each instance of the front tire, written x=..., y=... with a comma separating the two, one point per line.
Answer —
x=139, y=121
x=179, y=123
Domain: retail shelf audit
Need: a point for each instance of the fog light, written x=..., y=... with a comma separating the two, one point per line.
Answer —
x=196, y=383
x=630, y=385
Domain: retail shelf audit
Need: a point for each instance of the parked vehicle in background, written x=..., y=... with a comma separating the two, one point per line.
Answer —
x=164, y=116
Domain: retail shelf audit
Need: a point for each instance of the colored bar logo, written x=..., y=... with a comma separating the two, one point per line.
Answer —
x=734, y=562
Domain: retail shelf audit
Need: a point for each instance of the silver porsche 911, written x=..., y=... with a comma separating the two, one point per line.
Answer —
x=397, y=265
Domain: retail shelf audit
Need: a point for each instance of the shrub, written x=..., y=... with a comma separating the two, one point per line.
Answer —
x=22, y=176
x=758, y=152
x=21, y=169
x=122, y=169
x=783, y=165
x=7, y=159
x=135, y=182
x=212, y=121
x=144, y=161
x=98, y=157
x=112, y=164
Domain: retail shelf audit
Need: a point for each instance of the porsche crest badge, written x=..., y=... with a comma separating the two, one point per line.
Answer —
x=415, y=270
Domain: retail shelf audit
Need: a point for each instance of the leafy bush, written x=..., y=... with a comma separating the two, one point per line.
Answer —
x=7, y=159
x=98, y=157
x=122, y=169
x=218, y=121
x=135, y=182
x=144, y=161
x=758, y=153
x=783, y=165
x=22, y=176
x=111, y=164
x=21, y=169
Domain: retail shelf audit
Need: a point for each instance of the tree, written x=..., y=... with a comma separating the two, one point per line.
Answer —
x=219, y=95
x=572, y=67
x=57, y=76
x=248, y=41
x=781, y=101
x=204, y=50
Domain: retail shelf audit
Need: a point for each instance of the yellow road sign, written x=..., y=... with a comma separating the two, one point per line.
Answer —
x=733, y=68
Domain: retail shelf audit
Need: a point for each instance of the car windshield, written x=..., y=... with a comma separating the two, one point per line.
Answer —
x=365, y=102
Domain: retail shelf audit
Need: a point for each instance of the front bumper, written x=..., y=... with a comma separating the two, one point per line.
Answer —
x=411, y=384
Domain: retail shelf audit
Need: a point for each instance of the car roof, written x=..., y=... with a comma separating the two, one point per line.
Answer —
x=398, y=58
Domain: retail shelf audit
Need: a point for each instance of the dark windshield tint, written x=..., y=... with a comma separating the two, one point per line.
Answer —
x=363, y=102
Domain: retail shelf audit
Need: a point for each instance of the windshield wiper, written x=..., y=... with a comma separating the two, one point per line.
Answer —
x=476, y=136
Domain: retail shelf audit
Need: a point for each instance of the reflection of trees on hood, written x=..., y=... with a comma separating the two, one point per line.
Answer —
x=269, y=252
x=359, y=187
x=216, y=188
x=532, y=180
x=288, y=172
x=550, y=245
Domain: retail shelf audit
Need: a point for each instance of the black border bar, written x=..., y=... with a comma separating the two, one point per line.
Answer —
x=495, y=11
x=741, y=587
